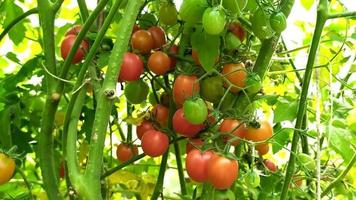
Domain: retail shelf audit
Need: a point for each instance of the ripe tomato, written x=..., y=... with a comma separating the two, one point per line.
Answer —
x=173, y=50
x=212, y=89
x=236, y=74
x=154, y=143
x=183, y=127
x=222, y=172
x=259, y=134
x=262, y=149
x=214, y=21
x=270, y=165
x=142, y=40
x=224, y=195
x=143, y=127
x=160, y=114
x=168, y=14
x=237, y=30
x=261, y=25
x=278, y=22
x=192, y=142
x=74, y=30
x=234, y=127
x=196, y=164
x=159, y=63
x=195, y=111
x=131, y=68
x=7, y=168
x=62, y=172
x=67, y=44
x=158, y=35
x=136, y=91
x=184, y=87
x=125, y=152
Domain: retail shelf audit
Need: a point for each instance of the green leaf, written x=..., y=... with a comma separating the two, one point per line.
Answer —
x=17, y=33
x=307, y=4
x=13, y=57
x=285, y=110
x=103, y=59
x=339, y=140
x=281, y=138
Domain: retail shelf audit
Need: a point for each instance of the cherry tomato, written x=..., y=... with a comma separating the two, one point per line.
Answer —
x=253, y=83
x=154, y=143
x=214, y=20
x=159, y=63
x=131, y=68
x=173, y=50
x=67, y=44
x=261, y=25
x=7, y=168
x=262, y=149
x=296, y=182
x=270, y=165
x=212, y=89
x=278, y=22
x=197, y=165
x=125, y=152
x=168, y=14
x=236, y=74
x=252, y=179
x=160, y=114
x=260, y=134
x=62, y=171
x=195, y=111
x=222, y=172
x=224, y=195
x=237, y=30
x=185, y=87
x=144, y=127
x=192, y=11
x=234, y=127
x=142, y=40
x=136, y=91
x=74, y=30
x=192, y=142
x=183, y=127
x=158, y=35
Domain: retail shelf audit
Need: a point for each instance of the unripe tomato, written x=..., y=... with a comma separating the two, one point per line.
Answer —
x=195, y=111
x=253, y=83
x=224, y=195
x=185, y=87
x=183, y=127
x=252, y=179
x=7, y=168
x=234, y=127
x=270, y=165
x=144, y=127
x=74, y=30
x=262, y=149
x=262, y=133
x=214, y=20
x=131, y=68
x=278, y=22
x=231, y=41
x=136, y=92
x=159, y=63
x=192, y=142
x=62, y=170
x=236, y=74
x=168, y=14
x=142, y=40
x=160, y=114
x=212, y=89
x=67, y=44
x=158, y=35
x=237, y=30
x=125, y=152
x=261, y=25
x=197, y=165
x=222, y=172
x=154, y=143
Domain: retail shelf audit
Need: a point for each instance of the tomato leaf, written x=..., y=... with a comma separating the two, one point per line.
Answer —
x=17, y=33
x=281, y=138
x=285, y=110
x=339, y=140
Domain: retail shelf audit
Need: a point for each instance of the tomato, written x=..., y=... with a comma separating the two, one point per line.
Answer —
x=236, y=74
x=227, y=103
x=131, y=68
x=262, y=149
x=195, y=111
x=237, y=30
x=74, y=30
x=7, y=168
x=165, y=99
x=173, y=50
x=147, y=20
x=158, y=35
x=253, y=83
x=159, y=63
x=192, y=142
x=262, y=133
x=270, y=165
x=214, y=20
x=224, y=195
x=160, y=114
x=125, y=152
x=252, y=179
x=261, y=25
x=196, y=164
x=296, y=182
x=212, y=89
x=183, y=127
x=222, y=172
x=185, y=87
x=278, y=22
x=67, y=44
x=136, y=92
x=144, y=127
x=62, y=171
x=231, y=41
x=168, y=14
x=306, y=162
x=154, y=143
x=234, y=127
x=191, y=11
x=142, y=40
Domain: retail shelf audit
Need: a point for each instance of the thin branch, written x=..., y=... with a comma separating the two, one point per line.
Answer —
x=344, y=14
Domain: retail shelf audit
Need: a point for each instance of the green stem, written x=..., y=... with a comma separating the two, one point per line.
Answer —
x=17, y=20
x=83, y=10
x=344, y=14
x=129, y=126
x=183, y=188
x=321, y=19
x=159, y=183
x=27, y=183
x=303, y=137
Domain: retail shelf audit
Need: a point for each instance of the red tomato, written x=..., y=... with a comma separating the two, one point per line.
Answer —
x=143, y=127
x=173, y=50
x=74, y=30
x=259, y=134
x=183, y=127
x=185, y=87
x=154, y=143
x=159, y=63
x=196, y=165
x=7, y=168
x=62, y=172
x=196, y=141
x=125, y=152
x=158, y=35
x=222, y=172
x=296, y=182
x=237, y=30
x=234, y=127
x=236, y=74
x=262, y=149
x=131, y=68
x=270, y=165
x=142, y=40
x=160, y=114
x=67, y=44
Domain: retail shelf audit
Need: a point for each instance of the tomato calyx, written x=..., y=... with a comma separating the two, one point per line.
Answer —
x=254, y=124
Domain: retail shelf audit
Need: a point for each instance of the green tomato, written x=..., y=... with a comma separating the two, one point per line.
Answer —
x=306, y=161
x=195, y=111
x=252, y=179
x=224, y=195
x=192, y=11
x=278, y=22
x=261, y=25
x=168, y=14
x=253, y=83
x=212, y=89
x=231, y=41
x=214, y=20
x=136, y=91
x=147, y=20
x=227, y=103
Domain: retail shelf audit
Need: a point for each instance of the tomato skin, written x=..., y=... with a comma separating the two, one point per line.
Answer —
x=173, y=50
x=252, y=179
x=253, y=83
x=212, y=89
x=262, y=149
x=131, y=68
x=136, y=91
x=160, y=113
x=236, y=74
x=168, y=14
x=237, y=30
x=154, y=143
x=62, y=172
x=67, y=44
x=270, y=165
x=195, y=111
x=144, y=127
x=214, y=21
x=259, y=134
x=74, y=30
x=183, y=127
x=158, y=35
x=184, y=87
x=159, y=63
x=261, y=26
x=7, y=168
x=125, y=152
x=222, y=172
x=197, y=164
x=142, y=40
x=278, y=22
x=239, y=129
x=196, y=141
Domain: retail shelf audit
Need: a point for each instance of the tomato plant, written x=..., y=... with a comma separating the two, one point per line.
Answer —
x=270, y=165
x=237, y=30
x=278, y=22
x=154, y=143
x=158, y=36
x=261, y=133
